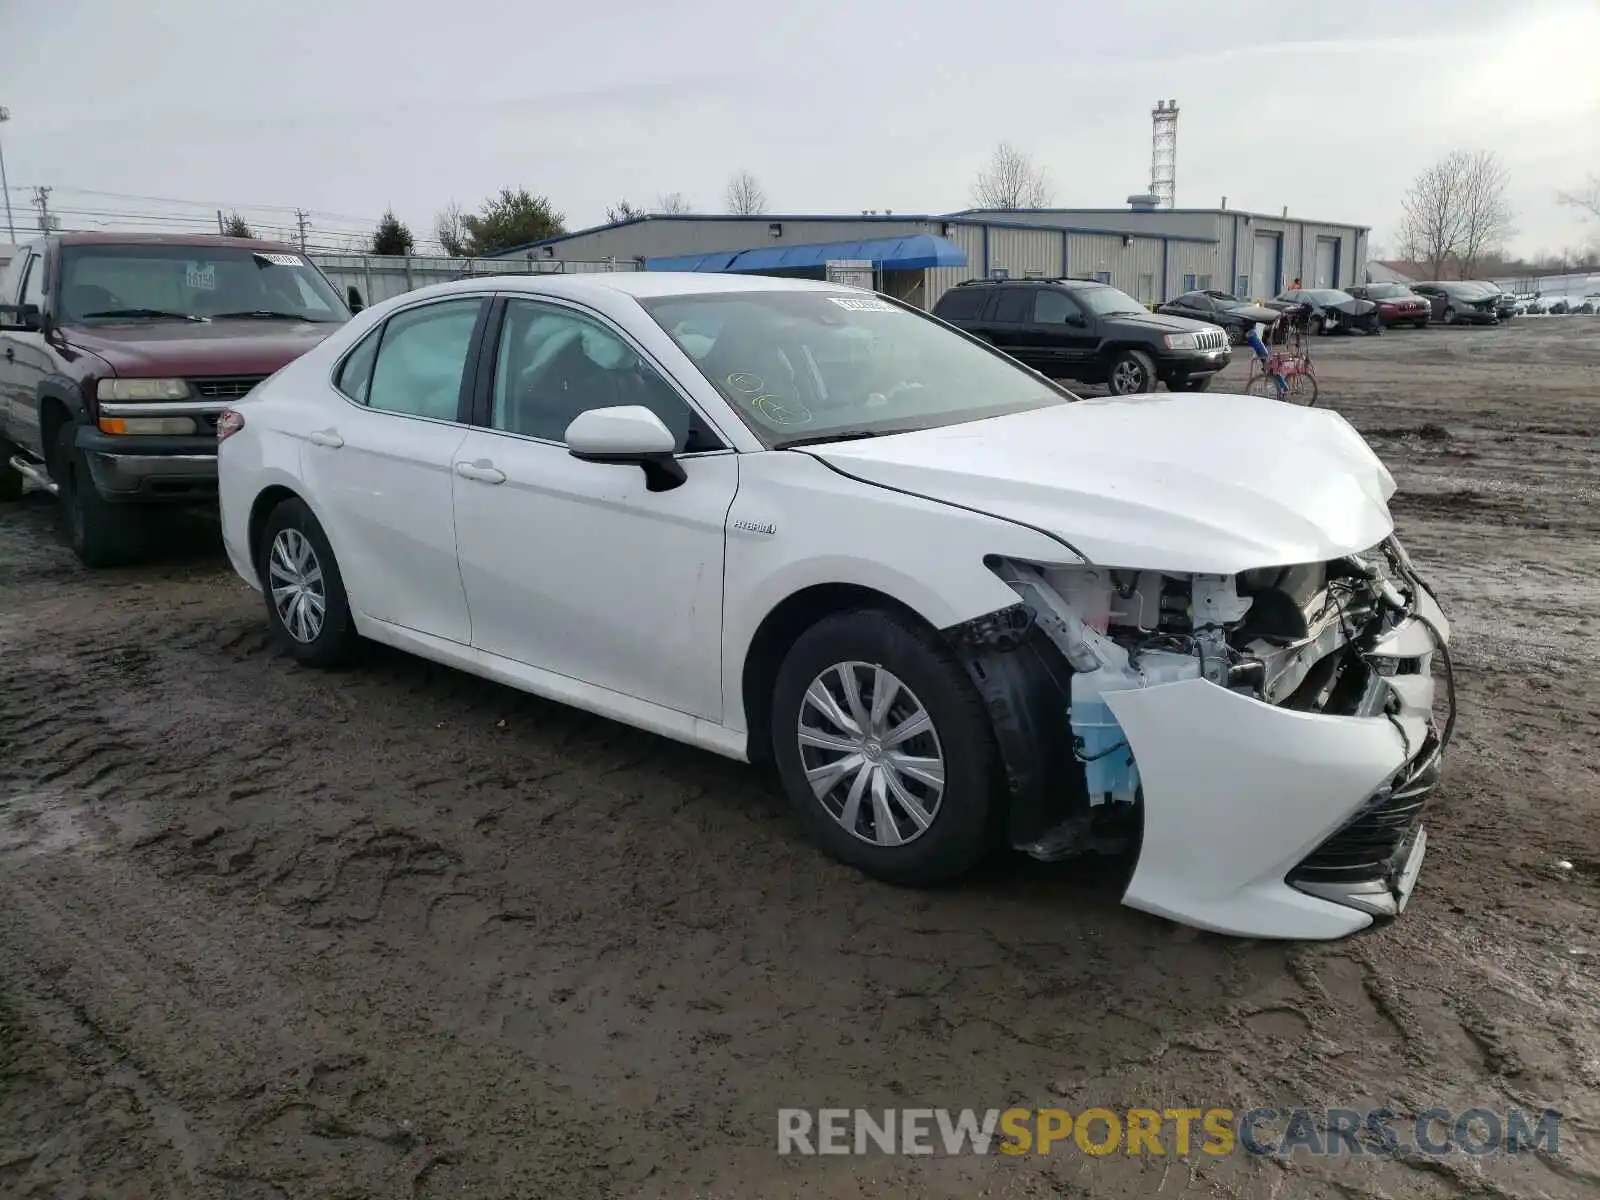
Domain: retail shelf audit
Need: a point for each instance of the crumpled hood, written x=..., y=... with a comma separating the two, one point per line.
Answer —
x=182, y=348
x=1203, y=483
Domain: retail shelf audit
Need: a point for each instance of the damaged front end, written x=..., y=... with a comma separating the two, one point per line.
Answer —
x=1265, y=740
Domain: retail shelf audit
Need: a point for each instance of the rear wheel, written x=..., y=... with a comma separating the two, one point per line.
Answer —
x=885, y=748
x=101, y=534
x=306, y=603
x=1302, y=390
x=1262, y=385
x=1132, y=372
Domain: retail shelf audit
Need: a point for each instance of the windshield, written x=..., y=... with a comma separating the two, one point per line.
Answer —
x=1105, y=301
x=804, y=365
x=1326, y=296
x=1387, y=291
x=193, y=283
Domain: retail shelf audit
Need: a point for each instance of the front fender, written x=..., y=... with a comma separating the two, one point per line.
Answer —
x=797, y=524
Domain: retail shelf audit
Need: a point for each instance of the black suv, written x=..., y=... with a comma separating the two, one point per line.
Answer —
x=1087, y=331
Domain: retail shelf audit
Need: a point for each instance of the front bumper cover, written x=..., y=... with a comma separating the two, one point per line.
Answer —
x=150, y=469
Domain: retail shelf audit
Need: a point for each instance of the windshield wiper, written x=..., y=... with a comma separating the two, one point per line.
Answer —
x=144, y=312
x=262, y=314
x=844, y=435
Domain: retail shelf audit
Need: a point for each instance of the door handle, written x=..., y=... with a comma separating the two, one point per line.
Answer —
x=326, y=437
x=11, y=355
x=482, y=471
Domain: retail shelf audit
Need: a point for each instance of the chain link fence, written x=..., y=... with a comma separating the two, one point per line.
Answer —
x=378, y=277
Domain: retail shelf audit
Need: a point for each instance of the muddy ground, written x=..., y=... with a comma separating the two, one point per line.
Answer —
x=397, y=932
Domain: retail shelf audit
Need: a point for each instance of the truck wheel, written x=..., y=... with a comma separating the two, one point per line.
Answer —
x=885, y=748
x=306, y=602
x=101, y=534
x=1132, y=372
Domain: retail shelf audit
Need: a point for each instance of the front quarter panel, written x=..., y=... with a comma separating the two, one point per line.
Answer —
x=796, y=523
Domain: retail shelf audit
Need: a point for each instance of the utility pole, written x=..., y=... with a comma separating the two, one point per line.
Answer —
x=41, y=201
x=221, y=229
x=5, y=115
x=300, y=216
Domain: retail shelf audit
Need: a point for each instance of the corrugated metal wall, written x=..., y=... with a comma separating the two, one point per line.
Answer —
x=942, y=279
x=660, y=237
x=1025, y=253
x=1199, y=260
x=379, y=276
x=1088, y=253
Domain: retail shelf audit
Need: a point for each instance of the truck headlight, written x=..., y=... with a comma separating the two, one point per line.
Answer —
x=143, y=389
x=1181, y=341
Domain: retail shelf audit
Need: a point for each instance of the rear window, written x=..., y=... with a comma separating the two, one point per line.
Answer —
x=960, y=304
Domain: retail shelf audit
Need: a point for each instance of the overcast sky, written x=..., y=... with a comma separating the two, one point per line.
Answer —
x=347, y=106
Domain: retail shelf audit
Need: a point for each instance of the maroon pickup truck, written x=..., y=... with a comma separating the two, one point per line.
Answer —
x=117, y=352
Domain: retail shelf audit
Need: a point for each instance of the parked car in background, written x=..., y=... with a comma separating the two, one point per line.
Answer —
x=1590, y=305
x=1505, y=302
x=1458, y=303
x=117, y=352
x=1331, y=310
x=1397, y=304
x=896, y=564
x=1234, y=316
x=1088, y=332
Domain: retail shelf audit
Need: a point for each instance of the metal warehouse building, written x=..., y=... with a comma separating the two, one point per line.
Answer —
x=1152, y=254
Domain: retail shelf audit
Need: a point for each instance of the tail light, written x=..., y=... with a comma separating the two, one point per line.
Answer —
x=229, y=422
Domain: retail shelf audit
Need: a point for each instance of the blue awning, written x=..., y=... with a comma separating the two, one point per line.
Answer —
x=911, y=252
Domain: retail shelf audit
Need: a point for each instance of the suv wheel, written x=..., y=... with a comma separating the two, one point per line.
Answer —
x=101, y=534
x=885, y=748
x=306, y=603
x=1131, y=372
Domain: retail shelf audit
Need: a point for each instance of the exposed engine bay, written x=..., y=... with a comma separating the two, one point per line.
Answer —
x=1352, y=637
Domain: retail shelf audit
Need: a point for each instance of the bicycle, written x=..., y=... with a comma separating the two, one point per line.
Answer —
x=1287, y=373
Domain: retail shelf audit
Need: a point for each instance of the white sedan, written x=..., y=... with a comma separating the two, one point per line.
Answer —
x=955, y=605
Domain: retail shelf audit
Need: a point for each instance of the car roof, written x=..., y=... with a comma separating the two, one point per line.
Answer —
x=212, y=240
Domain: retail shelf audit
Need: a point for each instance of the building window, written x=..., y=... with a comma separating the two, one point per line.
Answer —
x=1241, y=286
x=1147, y=288
x=1205, y=283
x=1188, y=283
x=1103, y=276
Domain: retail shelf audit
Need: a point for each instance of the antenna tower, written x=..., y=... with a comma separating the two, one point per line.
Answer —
x=1164, y=152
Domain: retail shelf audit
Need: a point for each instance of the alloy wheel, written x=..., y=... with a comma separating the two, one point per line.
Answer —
x=871, y=753
x=1127, y=378
x=299, y=595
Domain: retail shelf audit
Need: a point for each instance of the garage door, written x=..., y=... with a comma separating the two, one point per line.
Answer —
x=1264, y=281
x=1327, y=272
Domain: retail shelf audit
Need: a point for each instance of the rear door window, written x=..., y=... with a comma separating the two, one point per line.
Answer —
x=1014, y=306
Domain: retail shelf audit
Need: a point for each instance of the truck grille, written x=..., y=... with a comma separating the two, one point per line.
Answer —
x=224, y=387
x=1371, y=845
x=1211, y=339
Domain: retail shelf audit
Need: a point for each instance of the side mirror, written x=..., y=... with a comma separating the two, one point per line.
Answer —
x=28, y=317
x=353, y=300
x=631, y=434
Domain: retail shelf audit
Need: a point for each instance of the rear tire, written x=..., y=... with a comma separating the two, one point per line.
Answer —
x=101, y=534
x=913, y=675
x=306, y=603
x=1132, y=372
x=1303, y=390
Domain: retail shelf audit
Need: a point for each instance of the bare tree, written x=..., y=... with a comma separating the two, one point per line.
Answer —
x=1011, y=181
x=1485, y=213
x=1430, y=227
x=623, y=211
x=745, y=195
x=673, y=203
x=1456, y=213
x=1586, y=198
x=450, y=226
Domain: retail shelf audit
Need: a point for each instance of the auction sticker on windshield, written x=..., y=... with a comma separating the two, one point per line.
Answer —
x=862, y=304
x=201, y=279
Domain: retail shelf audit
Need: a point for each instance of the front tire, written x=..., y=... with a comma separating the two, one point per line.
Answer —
x=101, y=534
x=885, y=748
x=304, y=592
x=1132, y=372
